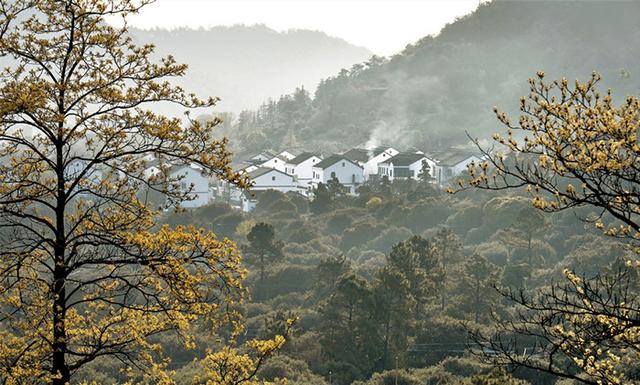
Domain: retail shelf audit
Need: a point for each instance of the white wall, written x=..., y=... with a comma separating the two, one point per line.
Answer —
x=275, y=180
x=416, y=167
x=371, y=166
x=445, y=173
x=247, y=204
x=277, y=163
x=200, y=184
x=345, y=171
x=304, y=172
x=286, y=155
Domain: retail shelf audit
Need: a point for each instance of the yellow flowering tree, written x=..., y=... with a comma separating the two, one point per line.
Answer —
x=571, y=147
x=84, y=271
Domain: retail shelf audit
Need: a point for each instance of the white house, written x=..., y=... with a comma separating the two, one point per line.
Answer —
x=261, y=157
x=369, y=159
x=453, y=164
x=249, y=200
x=191, y=177
x=286, y=155
x=275, y=163
x=243, y=167
x=349, y=173
x=151, y=168
x=405, y=165
x=301, y=167
x=272, y=179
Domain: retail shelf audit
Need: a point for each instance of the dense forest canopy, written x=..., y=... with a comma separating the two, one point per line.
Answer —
x=442, y=86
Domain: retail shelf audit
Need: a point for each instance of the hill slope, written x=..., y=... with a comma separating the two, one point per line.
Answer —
x=438, y=88
x=246, y=65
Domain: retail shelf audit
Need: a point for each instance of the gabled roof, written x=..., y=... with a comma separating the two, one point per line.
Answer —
x=379, y=150
x=265, y=170
x=281, y=159
x=363, y=155
x=291, y=154
x=302, y=157
x=179, y=167
x=453, y=158
x=357, y=155
x=405, y=159
x=238, y=166
x=333, y=159
x=265, y=154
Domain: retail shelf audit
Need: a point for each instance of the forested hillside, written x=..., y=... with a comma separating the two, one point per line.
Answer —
x=387, y=279
x=244, y=65
x=438, y=88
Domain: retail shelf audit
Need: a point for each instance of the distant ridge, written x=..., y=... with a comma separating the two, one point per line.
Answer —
x=440, y=87
x=245, y=65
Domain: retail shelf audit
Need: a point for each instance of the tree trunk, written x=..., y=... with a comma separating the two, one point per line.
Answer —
x=477, y=302
x=262, y=288
x=444, y=286
x=59, y=367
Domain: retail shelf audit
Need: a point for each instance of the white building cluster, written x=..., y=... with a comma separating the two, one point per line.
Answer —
x=300, y=174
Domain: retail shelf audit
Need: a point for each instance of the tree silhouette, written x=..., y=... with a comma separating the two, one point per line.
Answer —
x=85, y=273
x=263, y=249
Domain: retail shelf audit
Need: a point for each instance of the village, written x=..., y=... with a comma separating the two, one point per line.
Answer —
x=301, y=173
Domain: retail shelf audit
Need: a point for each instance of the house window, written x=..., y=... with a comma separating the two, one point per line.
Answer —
x=273, y=178
x=333, y=174
x=342, y=164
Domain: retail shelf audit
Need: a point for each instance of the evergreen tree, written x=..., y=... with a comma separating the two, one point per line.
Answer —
x=393, y=309
x=335, y=188
x=322, y=199
x=449, y=249
x=347, y=327
x=263, y=249
x=416, y=261
x=477, y=284
x=424, y=176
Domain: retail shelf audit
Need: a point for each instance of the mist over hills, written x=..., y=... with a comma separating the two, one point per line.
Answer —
x=438, y=88
x=245, y=65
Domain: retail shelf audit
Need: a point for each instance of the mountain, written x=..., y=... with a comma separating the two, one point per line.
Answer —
x=245, y=65
x=437, y=89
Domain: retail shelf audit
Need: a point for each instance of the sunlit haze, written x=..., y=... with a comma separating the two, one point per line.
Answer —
x=383, y=26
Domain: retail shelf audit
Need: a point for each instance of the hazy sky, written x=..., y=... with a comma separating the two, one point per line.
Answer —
x=383, y=26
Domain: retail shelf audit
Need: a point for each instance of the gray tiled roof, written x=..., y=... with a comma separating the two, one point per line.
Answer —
x=302, y=157
x=405, y=159
x=333, y=159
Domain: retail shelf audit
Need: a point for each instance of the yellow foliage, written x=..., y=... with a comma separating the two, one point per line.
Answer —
x=86, y=273
x=373, y=202
x=577, y=148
